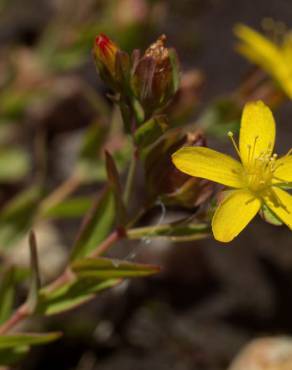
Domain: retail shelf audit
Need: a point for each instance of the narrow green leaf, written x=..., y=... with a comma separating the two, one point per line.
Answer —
x=71, y=208
x=72, y=295
x=96, y=226
x=35, y=283
x=6, y=294
x=105, y=268
x=112, y=172
x=115, y=184
x=27, y=339
x=176, y=232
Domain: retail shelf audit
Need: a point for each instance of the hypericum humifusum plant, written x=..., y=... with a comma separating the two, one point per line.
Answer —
x=148, y=131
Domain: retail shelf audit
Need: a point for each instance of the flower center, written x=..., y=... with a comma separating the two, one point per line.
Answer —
x=260, y=171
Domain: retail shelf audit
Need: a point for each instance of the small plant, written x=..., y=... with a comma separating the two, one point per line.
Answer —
x=151, y=108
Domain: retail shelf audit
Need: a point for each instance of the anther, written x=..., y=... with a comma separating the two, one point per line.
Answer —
x=230, y=135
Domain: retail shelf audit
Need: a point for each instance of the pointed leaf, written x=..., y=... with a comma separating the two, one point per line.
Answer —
x=70, y=208
x=35, y=283
x=72, y=295
x=105, y=268
x=27, y=339
x=7, y=294
x=176, y=232
x=115, y=184
x=96, y=226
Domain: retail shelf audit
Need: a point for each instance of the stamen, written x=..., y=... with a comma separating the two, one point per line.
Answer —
x=230, y=135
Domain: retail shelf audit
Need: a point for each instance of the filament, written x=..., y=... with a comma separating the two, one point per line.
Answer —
x=230, y=135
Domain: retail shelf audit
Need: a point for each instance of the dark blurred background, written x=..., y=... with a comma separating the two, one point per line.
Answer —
x=210, y=299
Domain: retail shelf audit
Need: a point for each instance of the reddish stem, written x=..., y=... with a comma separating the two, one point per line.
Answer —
x=19, y=315
x=108, y=242
x=61, y=280
x=23, y=311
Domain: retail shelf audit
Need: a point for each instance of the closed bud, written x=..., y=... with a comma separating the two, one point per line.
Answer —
x=105, y=53
x=154, y=79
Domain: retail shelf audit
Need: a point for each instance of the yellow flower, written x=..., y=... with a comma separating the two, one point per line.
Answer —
x=275, y=59
x=255, y=180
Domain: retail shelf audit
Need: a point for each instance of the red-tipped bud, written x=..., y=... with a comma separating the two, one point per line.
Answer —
x=105, y=51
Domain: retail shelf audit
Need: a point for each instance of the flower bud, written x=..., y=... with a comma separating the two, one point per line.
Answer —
x=105, y=52
x=154, y=79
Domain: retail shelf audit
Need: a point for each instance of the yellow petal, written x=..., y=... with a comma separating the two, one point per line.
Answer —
x=209, y=164
x=257, y=132
x=258, y=48
x=283, y=172
x=284, y=69
x=285, y=80
x=280, y=202
x=233, y=214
